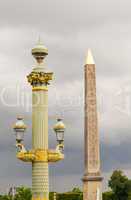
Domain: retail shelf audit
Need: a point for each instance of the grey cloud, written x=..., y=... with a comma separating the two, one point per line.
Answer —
x=64, y=13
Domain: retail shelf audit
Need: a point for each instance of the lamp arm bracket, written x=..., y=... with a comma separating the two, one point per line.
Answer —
x=55, y=155
x=27, y=156
x=59, y=146
x=40, y=155
x=20, y=148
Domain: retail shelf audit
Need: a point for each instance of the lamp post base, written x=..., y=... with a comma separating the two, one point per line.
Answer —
x=39, y=197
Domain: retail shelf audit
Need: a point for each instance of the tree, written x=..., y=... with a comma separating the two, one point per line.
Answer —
x=76, y=190
x=108, y=195
x=119, y=184
x=23, y=193
x=74, y=194
x=5, y=197
x=129, y=189
x=129, y=196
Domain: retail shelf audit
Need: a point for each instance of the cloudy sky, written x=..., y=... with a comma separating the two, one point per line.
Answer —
x=68, y=28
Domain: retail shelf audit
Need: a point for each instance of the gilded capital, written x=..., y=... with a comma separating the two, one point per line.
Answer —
x=36, y=78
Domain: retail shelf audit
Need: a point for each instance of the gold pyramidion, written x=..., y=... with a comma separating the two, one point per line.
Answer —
x=89, y=58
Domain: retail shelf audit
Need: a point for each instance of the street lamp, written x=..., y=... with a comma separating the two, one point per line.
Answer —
x=19, y=129
x=59, y=129
x=40, y=155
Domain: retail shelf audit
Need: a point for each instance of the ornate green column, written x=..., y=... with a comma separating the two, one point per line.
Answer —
x=40, y=155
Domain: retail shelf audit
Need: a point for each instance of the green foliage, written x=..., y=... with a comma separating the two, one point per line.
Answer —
x=108, y=195
x=74, y=194
x=129, y=196
x=120, y=185
x=5, y=197
x=51, y=196
x=23, y=193
x=70, y=196
x=120, y=190
x=76, y=190
x=118, y=179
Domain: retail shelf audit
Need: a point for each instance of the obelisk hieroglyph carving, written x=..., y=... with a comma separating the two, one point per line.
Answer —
x=92, y=179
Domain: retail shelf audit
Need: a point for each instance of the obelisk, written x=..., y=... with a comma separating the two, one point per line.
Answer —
x=92, y=180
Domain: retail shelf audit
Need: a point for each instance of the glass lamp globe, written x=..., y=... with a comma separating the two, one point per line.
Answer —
x=59, y=129
x=19, y=129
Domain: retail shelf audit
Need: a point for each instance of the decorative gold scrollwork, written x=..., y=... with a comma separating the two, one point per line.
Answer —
x=39, y=77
